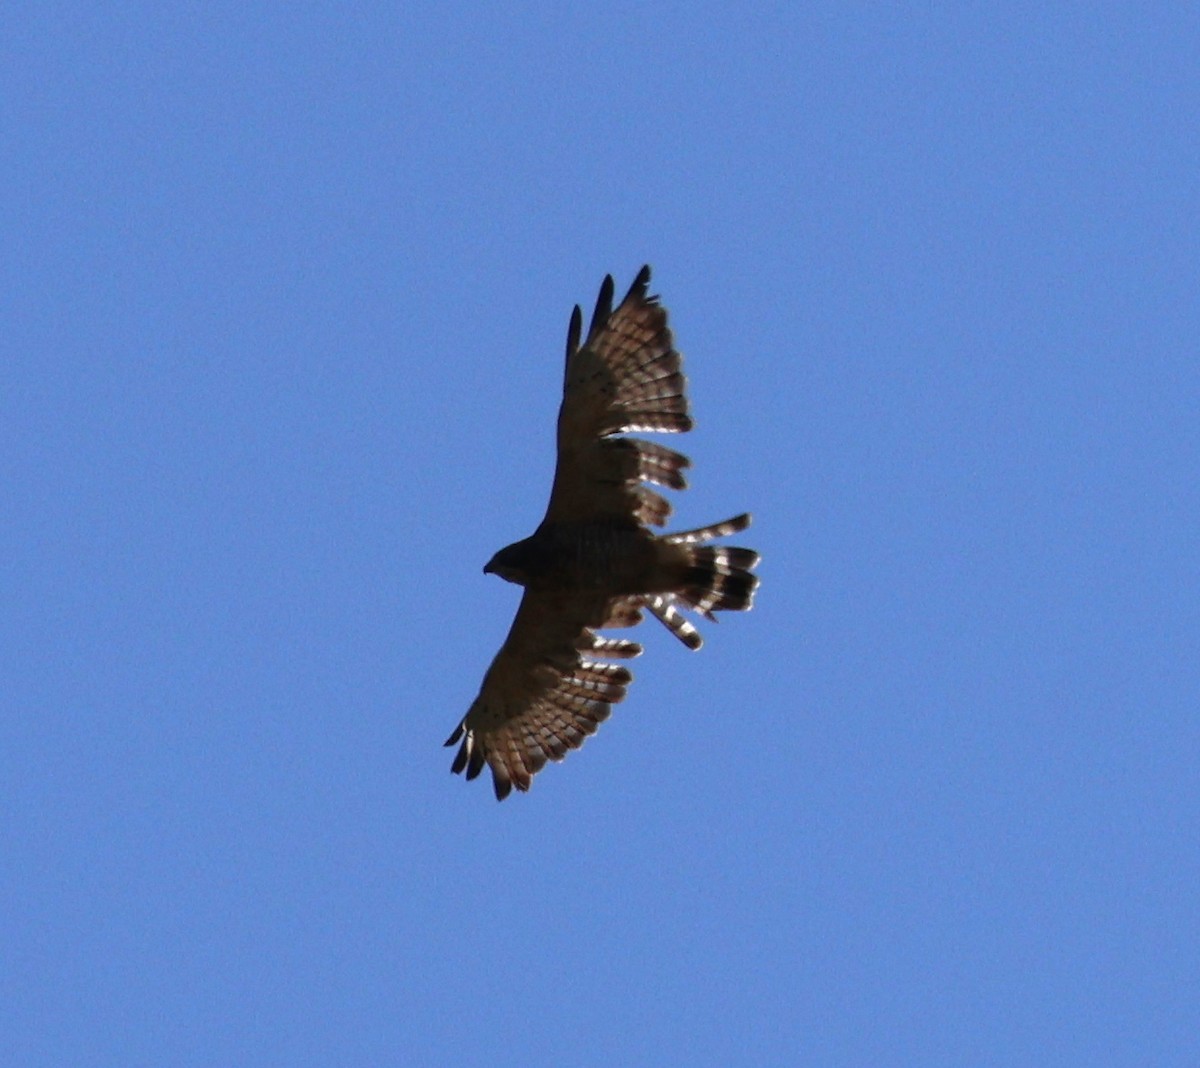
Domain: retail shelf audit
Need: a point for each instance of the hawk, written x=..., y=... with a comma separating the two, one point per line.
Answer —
x=594, y=563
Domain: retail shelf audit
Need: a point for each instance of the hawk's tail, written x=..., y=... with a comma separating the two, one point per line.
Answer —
x=715, y=578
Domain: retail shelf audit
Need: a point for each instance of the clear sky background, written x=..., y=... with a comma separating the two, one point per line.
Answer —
x=283, y=293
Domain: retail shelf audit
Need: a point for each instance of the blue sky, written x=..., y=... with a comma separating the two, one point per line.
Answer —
x=284, y=292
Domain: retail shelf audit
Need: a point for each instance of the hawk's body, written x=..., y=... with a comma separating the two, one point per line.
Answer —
x=593, y=563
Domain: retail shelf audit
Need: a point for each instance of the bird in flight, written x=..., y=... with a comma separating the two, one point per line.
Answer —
x=594, y=563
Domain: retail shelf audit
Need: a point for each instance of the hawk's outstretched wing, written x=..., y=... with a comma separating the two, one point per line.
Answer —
x=627, y=376
x=543, y=694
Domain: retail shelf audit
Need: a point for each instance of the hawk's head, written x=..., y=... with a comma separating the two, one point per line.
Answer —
x=513, y=563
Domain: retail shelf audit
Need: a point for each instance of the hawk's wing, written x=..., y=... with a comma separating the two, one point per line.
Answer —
x=626, y=376
x=543, y=695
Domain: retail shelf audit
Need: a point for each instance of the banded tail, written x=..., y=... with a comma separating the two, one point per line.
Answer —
x=715, y=578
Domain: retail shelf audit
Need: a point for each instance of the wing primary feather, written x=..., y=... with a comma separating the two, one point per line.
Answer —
x=641, y=283
x=476, y=759
x=460, y=758
x=603, y=307
x=572, y=340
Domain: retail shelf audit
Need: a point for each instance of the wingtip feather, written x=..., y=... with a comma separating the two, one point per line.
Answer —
x=573, y=331
x=603, y=306
x=640, y=285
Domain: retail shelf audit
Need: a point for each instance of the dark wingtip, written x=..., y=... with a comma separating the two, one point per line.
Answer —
x=475, y=762
x=573, y=333
x=603, y=306
x=641, y=283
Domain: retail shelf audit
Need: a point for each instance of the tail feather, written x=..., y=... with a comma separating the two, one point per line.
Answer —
x=662, y=607
x=714, y=530
x=714, y=578
x=719, y=579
